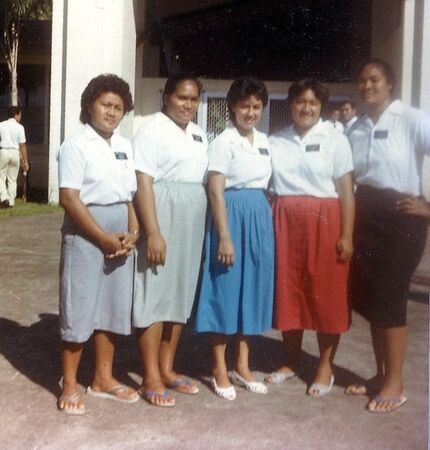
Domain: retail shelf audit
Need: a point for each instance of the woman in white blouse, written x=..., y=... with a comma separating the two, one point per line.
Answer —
x=236, y=295
x=170, y=154
x=389, y=142
x=313, y=213
x=100, y=228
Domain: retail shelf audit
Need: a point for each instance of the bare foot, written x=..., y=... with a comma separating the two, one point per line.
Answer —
x=222, y=379
x=383, y=405
x=245, y=373
x=323, y=375
x=180, y=383
x=156, y=394
x=369, y=387
x=70, y=401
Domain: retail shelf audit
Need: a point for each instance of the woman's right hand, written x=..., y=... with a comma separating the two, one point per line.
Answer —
x=156, y=249
x=226, y=252
x=111, y=245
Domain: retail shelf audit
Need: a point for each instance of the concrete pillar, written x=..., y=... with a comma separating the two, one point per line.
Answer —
x=89, y=37
x=422, y=63
x=407, y=51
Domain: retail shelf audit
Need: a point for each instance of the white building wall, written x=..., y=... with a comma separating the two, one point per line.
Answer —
x=90, y=37
x=148, y=91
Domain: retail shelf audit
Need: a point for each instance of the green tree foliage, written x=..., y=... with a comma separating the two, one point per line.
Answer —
x=12, y=15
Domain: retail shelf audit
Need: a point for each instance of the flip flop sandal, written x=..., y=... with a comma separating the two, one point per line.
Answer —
x=72, y=398
x=112, y=394
x=175, y=385
x=151, y=396
x=279, y=377
x=321, y=390
x=398, y=402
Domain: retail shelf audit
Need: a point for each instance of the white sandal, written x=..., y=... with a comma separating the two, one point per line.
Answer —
x=228, y=393
x=279, y=377
x=256, y=387
x=321, y=389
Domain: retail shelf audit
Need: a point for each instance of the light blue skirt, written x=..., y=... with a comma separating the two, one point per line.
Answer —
x=166, y=293
x=239, y=298
x=95, y=292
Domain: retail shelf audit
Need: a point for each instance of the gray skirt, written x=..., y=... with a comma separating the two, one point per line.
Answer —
x=166, y=293
x=95, y=293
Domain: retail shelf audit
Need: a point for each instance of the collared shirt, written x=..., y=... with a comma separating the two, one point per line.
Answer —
x=12, y=134
x=337, y=125
x=243, y=164
x=349, y=124
x=165, y=152
x=103, y=173
x=389, y=154
x=311, y=165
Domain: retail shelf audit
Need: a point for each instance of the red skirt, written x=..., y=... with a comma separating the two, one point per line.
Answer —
x=310, y=284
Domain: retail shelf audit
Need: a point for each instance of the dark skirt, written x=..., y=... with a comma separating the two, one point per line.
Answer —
x=388, y=247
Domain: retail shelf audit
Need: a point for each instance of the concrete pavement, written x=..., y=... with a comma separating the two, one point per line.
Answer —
x=284, y=419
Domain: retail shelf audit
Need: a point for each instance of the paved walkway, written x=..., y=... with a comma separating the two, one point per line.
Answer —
x=284, y=419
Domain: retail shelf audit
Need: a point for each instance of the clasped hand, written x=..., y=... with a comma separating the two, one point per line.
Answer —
x=117, y=245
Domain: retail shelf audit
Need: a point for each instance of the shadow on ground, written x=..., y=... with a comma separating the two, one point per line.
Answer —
x=34, y=352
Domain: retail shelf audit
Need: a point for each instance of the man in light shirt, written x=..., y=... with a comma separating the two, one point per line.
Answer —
x=348, y=114
x=13, y=154
x=334, y=119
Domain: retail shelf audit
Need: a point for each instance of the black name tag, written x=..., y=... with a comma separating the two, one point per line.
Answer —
x=197, y=138
x=380, y=134
x=120, y=155
x=313, y=148
x=263, y=151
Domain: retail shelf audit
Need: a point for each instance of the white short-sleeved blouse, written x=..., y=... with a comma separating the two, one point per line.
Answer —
x=309, y=166
x=389, y=154
x=103, y=173
x=165, y=152
x=244, y=165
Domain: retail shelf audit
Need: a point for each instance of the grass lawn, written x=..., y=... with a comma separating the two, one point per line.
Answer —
x=29, y=209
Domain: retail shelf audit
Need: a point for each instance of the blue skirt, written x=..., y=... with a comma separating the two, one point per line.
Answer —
x=239, y=298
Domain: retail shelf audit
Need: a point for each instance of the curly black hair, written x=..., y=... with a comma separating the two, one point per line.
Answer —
x=100, y=85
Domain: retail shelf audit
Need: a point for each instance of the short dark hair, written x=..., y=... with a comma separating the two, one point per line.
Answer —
x=173, y=81
x=320, y=91
x=385, y=67
x=13, y=111
x=242, y=88
x=348, y=102
x=100, y=85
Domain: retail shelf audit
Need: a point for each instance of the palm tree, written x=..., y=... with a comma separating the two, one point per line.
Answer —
x=12, y=15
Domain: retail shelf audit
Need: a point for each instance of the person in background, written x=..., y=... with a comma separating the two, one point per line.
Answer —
x=334, y=119
x=348, y=115
x=388, y=142
x=13, y=155
x=313, y=213
x=236, y=294
x=97, y=183
x=170, y=154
